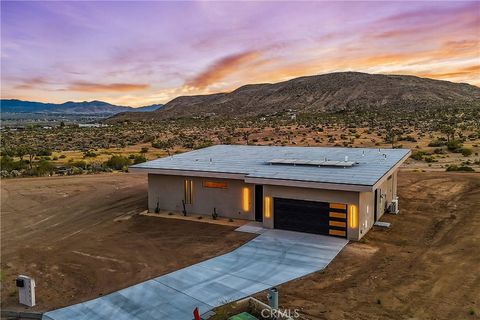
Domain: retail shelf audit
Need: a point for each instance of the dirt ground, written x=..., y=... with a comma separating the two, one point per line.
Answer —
x=426, y=266
x=79, y=237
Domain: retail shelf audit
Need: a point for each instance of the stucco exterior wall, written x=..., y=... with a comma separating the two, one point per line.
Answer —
x=365, y=213
x=169, y=192
x=388, y=190
x=335, y=196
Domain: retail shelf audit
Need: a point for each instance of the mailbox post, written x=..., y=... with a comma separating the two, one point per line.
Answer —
x=26, y=290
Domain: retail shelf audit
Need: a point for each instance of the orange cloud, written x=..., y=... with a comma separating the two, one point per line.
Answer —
x=31, y=83
x=222, y=68
x=462, y=72
x=98, y=87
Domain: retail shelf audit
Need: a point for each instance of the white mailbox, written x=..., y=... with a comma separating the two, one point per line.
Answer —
x=26, y=290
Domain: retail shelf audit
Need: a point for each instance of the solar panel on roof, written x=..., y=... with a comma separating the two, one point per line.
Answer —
x=316, y=163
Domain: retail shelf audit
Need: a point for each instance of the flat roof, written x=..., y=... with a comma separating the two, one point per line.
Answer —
x=254, y=162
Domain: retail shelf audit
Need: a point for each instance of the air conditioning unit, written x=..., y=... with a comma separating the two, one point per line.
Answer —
x=393, y=208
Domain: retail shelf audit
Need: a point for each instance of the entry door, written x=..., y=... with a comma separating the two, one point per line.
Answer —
x=375, y=206
x=259, y=203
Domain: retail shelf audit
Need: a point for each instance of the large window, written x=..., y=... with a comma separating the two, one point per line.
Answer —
x=188, y=191
x=215, y=184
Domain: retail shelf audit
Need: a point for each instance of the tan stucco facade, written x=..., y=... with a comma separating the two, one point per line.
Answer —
x=322, y=195
x=237, y=199
x=169, y=191
x=387, y=191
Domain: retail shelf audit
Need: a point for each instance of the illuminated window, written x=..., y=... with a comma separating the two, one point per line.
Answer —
x=267, y=210
x=215, y=184
x=246, y=199
x=188, y=191
x=191, y=191
x=352, y=216
x=185, y=191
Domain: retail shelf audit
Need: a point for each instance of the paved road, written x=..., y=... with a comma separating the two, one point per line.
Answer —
x=272, y=258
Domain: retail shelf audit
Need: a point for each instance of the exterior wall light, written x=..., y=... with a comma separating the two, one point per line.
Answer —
x=246, y=199
x=267, y=210
x=352, y=216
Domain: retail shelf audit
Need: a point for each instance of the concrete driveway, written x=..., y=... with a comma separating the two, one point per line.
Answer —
x=272, y=258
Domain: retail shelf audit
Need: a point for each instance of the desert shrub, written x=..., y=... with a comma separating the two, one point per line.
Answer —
x=454, y=167
x=407, y=138
x=144, y=150
x=437, y=143
x=62, y=156
x=466, y=152
x=418, y=155
x=89, y=154
x=454, y=145
x=204, y=144
x=44, y=152
x=163, y=144
x=43, y=167
x=7, y=163
x=78, y=164
x=117, y=162
x=149, y=139
x=139, y=159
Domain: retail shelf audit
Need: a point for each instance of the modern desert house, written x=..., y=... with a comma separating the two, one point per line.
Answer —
x=331, y=191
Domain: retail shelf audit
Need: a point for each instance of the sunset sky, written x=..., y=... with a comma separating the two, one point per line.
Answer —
x=140, y=53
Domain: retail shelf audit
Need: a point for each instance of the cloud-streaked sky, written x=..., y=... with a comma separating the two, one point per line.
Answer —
x=138, y=53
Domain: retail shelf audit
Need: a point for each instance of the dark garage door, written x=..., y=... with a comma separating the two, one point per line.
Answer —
x=310, y=216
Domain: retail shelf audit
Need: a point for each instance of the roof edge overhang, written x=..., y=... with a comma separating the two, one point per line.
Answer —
x=309, y=184
x=190, y=173
x=392, y=169
x=253, y=180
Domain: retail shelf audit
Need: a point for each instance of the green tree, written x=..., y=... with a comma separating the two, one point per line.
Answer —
x=20, y=152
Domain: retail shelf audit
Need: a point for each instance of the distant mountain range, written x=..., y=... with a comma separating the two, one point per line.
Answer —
x=323, y=93
x=70, y=107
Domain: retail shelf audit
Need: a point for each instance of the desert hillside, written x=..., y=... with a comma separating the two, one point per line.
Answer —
x=323, y=93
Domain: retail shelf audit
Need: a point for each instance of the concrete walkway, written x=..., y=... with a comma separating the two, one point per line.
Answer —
x=274, y=257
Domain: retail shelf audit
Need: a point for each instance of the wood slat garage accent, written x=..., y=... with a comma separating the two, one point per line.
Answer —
x=339, y=233
x=338, y=219
x=338, y=215
x=340, y=206
x=337, y=224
